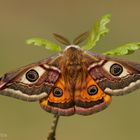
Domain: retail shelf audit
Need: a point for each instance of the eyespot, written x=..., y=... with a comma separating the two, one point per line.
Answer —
x=92, y=90
x=116, y=69
x=57, y=92
x=32, y=75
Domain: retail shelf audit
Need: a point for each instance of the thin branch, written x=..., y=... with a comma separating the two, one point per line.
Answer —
x=53, y=128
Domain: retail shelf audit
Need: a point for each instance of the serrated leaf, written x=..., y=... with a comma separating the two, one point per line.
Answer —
x=98, y=30
x=45, y=43
x=124, y=49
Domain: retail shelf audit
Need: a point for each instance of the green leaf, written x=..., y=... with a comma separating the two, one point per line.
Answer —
x=98, y=30
x=124, y=49
x=43, y=42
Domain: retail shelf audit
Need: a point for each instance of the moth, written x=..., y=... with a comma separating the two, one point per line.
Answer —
x=74, y=81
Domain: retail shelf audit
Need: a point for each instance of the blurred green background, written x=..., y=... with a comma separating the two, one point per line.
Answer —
x=20, y=20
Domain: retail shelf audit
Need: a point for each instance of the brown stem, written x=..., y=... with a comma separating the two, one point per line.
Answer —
x=53, y=128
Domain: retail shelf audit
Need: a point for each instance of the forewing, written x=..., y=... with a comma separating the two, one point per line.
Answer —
x=32, y=82
x=115, y=76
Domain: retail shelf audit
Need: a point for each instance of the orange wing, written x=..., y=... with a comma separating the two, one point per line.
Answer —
x=89, y=98
x=60, y=100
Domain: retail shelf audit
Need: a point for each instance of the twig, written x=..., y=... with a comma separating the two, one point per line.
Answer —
x=53, y=128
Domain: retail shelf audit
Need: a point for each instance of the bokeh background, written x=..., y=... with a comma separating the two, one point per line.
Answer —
x=22, y=19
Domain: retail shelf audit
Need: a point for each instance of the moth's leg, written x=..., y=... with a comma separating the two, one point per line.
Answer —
x=53, y=128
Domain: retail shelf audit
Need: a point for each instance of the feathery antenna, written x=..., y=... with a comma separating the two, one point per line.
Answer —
x=79, y=39
x=61, y=39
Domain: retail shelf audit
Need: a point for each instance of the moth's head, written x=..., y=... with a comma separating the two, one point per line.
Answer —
x=72, y=55
x=72, y=49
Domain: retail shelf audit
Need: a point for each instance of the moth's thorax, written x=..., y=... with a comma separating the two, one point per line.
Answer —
x=72, y=56
x=72, y=65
